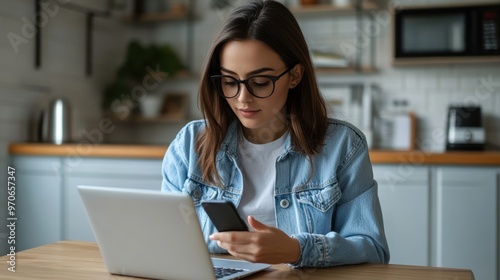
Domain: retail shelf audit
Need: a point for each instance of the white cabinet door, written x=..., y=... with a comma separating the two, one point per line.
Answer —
x=466, y=216
x=404, y=197
x=38, y=201
x=120, y=173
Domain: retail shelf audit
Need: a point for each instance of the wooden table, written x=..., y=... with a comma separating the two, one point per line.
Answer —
x=82, y=260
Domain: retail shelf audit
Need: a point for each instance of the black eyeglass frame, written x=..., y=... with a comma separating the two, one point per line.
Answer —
x=245, y=82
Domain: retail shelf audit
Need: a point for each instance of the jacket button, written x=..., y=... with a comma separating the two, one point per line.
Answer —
x=197, y=194
x=284, y=203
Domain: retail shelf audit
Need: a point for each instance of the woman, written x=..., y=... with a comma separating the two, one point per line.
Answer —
x=303, y=182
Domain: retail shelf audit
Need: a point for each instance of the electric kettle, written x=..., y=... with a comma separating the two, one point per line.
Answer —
x=54, y=125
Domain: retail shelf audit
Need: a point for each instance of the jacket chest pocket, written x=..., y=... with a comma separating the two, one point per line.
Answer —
x=320, y=199
x=199, y=192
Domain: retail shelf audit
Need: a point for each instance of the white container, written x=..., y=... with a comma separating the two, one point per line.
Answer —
x=396, y=131
x=151, y=105
x=341, y=3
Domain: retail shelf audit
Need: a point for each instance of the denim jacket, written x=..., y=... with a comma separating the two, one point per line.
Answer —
x=335, y=216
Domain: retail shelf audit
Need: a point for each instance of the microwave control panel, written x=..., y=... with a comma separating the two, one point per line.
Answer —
x=490, y=31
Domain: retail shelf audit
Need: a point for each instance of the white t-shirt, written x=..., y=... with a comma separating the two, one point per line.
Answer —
x=258, y=165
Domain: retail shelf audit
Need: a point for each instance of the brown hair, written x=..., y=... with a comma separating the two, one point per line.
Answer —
x=305, y=112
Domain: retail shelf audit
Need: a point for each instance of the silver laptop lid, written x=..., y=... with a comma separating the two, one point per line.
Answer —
x=165, y=242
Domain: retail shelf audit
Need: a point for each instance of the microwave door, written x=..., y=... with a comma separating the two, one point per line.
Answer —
x=432, y=34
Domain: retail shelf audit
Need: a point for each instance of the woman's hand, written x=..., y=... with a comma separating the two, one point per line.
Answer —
x=264, y=244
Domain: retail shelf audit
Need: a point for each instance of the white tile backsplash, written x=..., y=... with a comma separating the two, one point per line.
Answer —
x=437, y=106
x=447, y=80
x=391, y=80
x=468, y=79
x=433, y=139
x=496, y=97
x=346, y=25
x=413, y=79
x=429, y=78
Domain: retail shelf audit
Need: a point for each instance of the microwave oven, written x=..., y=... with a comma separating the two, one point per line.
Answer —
x=453, y=31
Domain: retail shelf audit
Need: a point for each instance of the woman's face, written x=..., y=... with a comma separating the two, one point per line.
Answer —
x=262, y=118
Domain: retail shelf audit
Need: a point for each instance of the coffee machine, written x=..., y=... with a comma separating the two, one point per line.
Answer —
x=465, y=130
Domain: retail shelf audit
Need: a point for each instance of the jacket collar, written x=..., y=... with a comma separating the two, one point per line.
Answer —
x=229, y=145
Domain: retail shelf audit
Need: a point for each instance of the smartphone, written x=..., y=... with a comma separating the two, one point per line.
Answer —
x=224, y=216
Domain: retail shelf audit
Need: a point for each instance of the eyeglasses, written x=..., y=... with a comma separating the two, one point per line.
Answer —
x=260, y=86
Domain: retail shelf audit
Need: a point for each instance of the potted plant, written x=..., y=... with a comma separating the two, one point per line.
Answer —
x=139, y=62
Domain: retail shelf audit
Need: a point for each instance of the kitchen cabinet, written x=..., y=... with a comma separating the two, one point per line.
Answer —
x=49, y=208
x=404, y=197
x=465, y=220
x=38, y=201
x=444, y=216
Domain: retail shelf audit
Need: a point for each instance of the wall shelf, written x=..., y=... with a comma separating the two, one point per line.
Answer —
x=360, y=10
x=179, y=76
x=175, y=11
x=444, y=60
x=346, y=70
x=326, y=8
x=158, y=17
x=165, y=119
x=445, y=5
x=180, y=12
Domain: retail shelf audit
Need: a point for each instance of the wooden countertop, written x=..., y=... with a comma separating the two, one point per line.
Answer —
x=83, y=260
x=150, y=151
x=88, y=150
x=446, y=158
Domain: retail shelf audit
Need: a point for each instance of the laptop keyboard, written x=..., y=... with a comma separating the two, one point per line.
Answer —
x=225, y=271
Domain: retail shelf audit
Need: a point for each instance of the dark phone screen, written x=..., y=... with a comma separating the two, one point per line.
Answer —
x=224, y=216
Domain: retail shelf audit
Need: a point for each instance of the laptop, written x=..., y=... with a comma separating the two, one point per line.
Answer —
x=154, y=234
